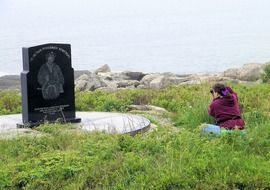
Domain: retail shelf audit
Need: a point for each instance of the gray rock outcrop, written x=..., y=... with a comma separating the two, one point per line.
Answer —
x=104, y=78
x=130, y=75
x=157, y=81
x=10, y=82
x=249, y=72
x=148, y=108
x=89, y=82
x=79, y=73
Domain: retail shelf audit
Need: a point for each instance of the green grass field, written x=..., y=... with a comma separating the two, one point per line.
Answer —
x=170, y=157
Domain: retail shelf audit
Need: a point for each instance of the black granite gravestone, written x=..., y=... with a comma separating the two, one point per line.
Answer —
x=47, y=84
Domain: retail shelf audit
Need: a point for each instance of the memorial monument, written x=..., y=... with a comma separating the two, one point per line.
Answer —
x=47, y=85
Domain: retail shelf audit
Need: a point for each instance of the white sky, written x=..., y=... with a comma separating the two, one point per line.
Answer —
x=141, y=31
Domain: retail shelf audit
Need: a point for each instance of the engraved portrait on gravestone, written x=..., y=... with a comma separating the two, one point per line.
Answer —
x=50, y=78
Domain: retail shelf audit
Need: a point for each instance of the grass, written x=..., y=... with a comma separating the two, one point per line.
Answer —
x=66, y=158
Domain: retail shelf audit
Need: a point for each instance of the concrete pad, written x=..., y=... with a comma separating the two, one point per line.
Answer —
x=114, y=123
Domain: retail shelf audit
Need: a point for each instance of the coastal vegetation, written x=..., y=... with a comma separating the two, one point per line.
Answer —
x=173, y=156
x=266, y=74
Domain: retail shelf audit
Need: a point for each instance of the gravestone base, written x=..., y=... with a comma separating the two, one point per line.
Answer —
x=31, y=125
x=112, y=123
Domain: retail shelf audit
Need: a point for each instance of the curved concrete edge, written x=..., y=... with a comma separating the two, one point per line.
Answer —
x=142, y=130
x=114, y=123
x=109, y=122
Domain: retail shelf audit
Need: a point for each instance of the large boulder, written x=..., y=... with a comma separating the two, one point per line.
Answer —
x=120, y=79
x=103, y=69
x=158, y=81
x=232, y=73
x=119, y=76
x=79, y=73
x=10, y=82
x=131, y=75
x=113, y=76
x=89, y=82
x=147, y=108
x=249, y=72
x=147, y=79
x=128, y=84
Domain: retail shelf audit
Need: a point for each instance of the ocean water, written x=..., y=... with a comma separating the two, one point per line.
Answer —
x=180, y=36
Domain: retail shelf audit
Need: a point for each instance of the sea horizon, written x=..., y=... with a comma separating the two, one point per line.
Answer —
x=182, y=37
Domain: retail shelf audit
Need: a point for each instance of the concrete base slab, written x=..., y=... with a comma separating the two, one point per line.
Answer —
x=114, y=123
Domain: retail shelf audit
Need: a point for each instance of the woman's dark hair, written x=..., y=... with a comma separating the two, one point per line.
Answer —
x=220, y=89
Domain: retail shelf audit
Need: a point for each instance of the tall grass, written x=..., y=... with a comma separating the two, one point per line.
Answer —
x=66, y=158
x=163, y=159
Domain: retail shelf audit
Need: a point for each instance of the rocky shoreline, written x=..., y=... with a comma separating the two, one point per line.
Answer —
x=104, y=78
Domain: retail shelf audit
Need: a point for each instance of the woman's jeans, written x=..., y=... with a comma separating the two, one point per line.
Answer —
x=211, y=129
x=214, y=129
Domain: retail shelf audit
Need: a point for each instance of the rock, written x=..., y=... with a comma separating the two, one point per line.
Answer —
x=231, y=73
x=118, y=83
x=173, y=80
x=157, y=81
x=211, y=78
x=191, y=82
x=158, y=114
x=125, y=79
x=128, y=84
x=79, y=73
x=10, y=82
x=249, y=72
x=88, y=82
x=130, y=75
x=119, y=76
x=147, y=108
x=110, y=85
x=147, y=79
x=103, y=69
x=113, y=76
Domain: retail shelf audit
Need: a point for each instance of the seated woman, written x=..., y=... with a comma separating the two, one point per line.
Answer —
x=225, y=109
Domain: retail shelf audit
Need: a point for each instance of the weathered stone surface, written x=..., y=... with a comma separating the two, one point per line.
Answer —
x=128, y=84
x=79, y=73
x=232, y=73
x=103, y=69
x=130, y=75
x=125, y=75
x=249, y=72
x=10, y=82
x=130, y=79
x=89, y=82
x=147, y=108
x=112, y=76
x=147, y=79
x=110, y=84
x=157, y=81
x=159, y=115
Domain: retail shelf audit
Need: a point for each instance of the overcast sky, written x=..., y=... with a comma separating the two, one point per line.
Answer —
x=59, y=9
x=141, y=31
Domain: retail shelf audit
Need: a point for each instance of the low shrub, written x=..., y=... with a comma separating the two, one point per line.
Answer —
x=10, y=102
x=266, y=74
